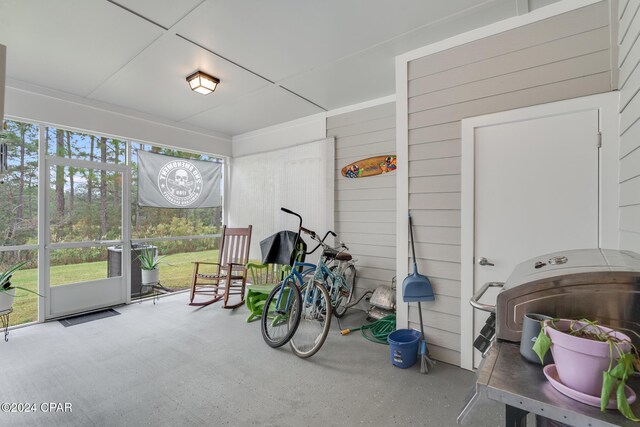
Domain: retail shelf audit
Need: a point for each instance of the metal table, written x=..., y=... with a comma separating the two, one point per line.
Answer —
x=507, y=378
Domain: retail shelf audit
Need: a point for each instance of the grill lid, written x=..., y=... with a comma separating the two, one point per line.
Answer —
x=562, y=265
x=598, y=284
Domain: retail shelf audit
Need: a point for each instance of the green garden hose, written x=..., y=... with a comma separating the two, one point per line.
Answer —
x=377, y=331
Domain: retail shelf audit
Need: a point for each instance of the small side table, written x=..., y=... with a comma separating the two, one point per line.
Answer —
x=157, y=289
x=4, y=318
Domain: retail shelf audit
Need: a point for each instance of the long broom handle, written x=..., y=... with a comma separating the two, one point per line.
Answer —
x=413, y=247
x=421, y=325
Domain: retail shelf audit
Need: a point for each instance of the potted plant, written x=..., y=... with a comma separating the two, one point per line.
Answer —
x=591, y=359
x=8, y=291
x=150, y=265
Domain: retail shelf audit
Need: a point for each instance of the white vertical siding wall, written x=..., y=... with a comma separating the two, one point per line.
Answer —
x=629, y=59
x=365, y=208
x=562, y=57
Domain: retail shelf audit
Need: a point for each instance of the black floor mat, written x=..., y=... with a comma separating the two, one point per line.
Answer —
x=89, y=317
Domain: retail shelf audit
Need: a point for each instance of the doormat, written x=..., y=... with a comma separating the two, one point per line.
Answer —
x=88, y=317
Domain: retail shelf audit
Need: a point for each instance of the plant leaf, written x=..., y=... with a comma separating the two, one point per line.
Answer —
x=619, y=371
x=623, y=405
x=542, y=345
x=5, y=276
x=26, y=290
x=608, y=382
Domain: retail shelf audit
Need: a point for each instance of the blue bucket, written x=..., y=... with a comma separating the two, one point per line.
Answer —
x=403, y=344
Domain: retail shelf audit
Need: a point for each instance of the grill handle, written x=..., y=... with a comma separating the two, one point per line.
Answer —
x=474, y=301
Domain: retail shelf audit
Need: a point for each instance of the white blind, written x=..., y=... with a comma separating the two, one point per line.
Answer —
x=300, y=178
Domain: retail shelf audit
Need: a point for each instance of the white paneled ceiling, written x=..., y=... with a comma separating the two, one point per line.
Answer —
x=277, y=60
x=71, y=46
x=266, y=107
x=154, y=82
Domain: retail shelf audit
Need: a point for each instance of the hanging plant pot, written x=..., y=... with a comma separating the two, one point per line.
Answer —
x=151, y=277
x=6, y=300
x=580, y=361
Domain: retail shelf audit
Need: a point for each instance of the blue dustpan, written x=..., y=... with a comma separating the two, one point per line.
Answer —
x=415, y=286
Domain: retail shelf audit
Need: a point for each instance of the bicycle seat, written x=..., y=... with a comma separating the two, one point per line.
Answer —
x=334, y=254
x=344, y=256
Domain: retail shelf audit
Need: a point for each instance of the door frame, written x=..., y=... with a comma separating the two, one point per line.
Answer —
x=607, y=106
x=63, y=300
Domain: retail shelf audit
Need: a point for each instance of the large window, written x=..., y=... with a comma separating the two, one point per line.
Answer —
x=183, y=235
x=85, y=212
x=19, y=216
x=19, y=188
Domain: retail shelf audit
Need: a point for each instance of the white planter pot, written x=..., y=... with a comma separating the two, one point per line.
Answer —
x=150, y=277
x=6, y=300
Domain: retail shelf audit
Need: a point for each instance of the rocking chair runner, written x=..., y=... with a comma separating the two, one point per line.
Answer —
x=230, y=272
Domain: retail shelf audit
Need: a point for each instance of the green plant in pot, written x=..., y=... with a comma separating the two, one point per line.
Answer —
x=590, y=360
x=150, y=265
x=7, y=290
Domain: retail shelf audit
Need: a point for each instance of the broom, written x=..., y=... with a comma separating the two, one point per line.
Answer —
x=417, y=287
x=425, y=360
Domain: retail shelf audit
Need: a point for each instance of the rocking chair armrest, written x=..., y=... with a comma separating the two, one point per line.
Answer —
x=206, y=263
x=235, y=266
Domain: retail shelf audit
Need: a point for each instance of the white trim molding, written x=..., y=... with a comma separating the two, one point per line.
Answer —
x=283, y=135
x=607, y=106
x=362, y=105
x=495, y=28
x=402, y=189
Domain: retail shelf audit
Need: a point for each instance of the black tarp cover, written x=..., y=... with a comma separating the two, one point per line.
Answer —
x=278, y=248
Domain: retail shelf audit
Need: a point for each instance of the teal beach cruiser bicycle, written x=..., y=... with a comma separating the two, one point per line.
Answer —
x=299, y=310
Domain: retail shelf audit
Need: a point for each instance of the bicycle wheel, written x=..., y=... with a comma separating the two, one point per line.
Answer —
x=346, y=288
x=315, y=320
x=281, y=314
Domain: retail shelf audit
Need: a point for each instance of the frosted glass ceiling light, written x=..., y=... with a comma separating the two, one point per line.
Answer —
x=202, y=83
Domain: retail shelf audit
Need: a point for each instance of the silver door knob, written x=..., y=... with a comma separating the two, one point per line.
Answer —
x=484, y=261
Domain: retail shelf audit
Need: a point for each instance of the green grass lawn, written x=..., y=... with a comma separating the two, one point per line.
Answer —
x=175, y=273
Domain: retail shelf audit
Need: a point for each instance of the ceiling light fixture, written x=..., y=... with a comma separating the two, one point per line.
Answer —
x=202, y=83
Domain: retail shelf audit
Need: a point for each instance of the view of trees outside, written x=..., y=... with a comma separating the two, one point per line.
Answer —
x=86, y=205
x=19, y=214
x=19, y=190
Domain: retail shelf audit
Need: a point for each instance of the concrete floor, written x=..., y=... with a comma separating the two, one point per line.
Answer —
x=171, y=364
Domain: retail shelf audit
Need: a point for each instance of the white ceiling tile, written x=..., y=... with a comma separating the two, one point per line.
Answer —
x=371, y=73
x=163, y=12
x=280, y=38
x=71, y=46
x=266, y=107
x=155, y=81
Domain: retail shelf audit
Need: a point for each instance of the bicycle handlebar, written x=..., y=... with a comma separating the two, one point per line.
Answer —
x=311, y=233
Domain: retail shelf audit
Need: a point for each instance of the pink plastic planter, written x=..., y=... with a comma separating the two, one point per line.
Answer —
x=580, y=361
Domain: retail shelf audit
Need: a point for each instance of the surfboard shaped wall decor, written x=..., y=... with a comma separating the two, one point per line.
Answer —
x=370, y=167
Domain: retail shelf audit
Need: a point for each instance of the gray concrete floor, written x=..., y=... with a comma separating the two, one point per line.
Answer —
x=171, y=364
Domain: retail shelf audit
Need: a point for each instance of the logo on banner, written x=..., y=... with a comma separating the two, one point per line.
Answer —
x=180, y=183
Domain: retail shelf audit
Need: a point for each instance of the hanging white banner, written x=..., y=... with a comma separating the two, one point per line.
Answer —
x=173, y=182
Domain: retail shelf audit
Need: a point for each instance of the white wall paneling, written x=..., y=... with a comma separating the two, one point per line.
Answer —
x=629, y=59
x=558, y=52
x=299, y=178
x=365, y=210
x=24, y=102
x=284, y=135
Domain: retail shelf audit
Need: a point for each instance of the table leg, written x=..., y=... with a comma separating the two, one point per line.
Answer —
x=515, y=417
x=5, y=325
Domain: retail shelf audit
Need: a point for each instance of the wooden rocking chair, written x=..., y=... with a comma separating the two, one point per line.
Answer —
x=229, y=275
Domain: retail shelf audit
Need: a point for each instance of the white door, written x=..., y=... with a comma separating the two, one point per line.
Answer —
x=85, y=255
x=536, y=191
